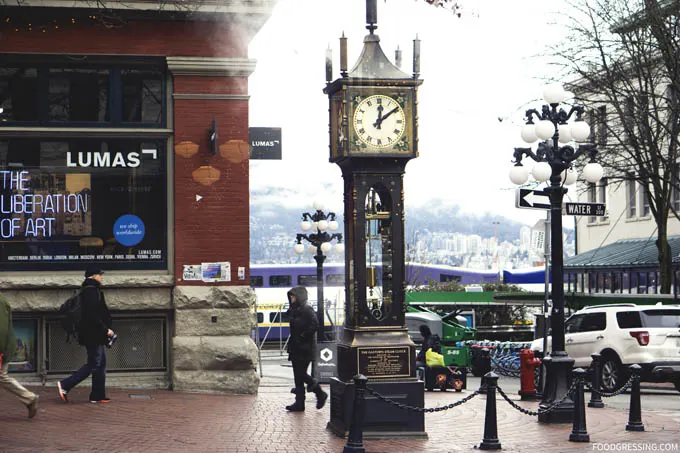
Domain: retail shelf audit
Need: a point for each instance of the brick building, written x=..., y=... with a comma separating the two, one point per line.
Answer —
x=124, y=144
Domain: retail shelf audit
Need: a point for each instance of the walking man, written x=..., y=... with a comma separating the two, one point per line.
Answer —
x=301, y=348
x=8, y=347
x=94, y=331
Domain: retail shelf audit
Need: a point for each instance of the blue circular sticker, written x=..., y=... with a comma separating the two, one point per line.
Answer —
x=129, y=230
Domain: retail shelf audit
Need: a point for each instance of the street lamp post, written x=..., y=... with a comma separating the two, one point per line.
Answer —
x=554, y=163
x=320, y=244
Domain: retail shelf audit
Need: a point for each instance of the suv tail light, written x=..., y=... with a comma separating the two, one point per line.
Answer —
x=641, y=337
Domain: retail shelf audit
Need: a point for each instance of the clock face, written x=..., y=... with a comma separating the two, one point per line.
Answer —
x=379, y=121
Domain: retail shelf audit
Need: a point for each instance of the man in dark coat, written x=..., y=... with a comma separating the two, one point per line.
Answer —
x=430, y=341
x=301, y=348
x=94, y=331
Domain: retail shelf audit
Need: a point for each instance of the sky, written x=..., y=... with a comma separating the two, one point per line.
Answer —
x=480, y=71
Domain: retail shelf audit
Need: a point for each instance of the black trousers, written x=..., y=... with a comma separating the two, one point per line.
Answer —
x=300, y=373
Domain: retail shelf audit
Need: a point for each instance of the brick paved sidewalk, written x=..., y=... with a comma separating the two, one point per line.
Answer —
x=165, y=421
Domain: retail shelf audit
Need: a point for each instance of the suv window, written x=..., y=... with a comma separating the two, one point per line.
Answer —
x=629, y=319
x=589, y=322
x=661, y=318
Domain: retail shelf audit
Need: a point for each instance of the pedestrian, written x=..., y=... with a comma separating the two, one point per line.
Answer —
x=430, y=341
x=301, y=348
x=94, y=332
x=8, y=346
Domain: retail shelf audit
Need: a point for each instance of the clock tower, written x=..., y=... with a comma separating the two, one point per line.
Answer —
x=373, y=135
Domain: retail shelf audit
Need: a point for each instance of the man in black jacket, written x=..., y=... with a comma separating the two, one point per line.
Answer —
x=94, y=331
x=301, y=348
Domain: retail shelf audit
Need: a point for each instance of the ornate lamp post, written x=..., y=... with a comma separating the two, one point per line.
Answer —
x=320, y=243
x=554, y=163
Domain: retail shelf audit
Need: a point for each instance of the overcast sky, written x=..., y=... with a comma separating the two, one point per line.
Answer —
x=480, y=72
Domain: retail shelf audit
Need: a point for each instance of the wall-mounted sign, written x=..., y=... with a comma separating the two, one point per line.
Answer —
x=216, y=272
x=265, y=143
x=191, y=272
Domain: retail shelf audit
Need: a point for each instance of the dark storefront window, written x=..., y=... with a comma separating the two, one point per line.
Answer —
x=65, y=93
x=66, y=203
x=26, y=333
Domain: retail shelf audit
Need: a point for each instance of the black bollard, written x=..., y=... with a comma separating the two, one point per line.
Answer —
x=490, y=440
x=579, y=432
x=635, y=412
x=485, y=367
x=596, y=382
x=355, y=438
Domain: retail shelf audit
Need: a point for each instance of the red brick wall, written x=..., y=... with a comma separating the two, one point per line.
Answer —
x=217, y=227
x=173, y=38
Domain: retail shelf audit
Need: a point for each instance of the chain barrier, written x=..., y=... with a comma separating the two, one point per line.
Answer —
x=625, y=387
x=421, y=409
x=540, y=410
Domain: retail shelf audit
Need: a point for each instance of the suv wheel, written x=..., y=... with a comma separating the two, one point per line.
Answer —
x=612, y=373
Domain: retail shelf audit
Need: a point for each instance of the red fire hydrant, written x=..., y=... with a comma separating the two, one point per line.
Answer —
x=527, y=364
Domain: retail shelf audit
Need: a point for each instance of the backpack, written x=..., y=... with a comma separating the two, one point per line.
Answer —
x=436, y=343
x=70, y=314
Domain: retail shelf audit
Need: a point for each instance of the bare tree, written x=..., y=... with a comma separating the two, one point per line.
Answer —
x=624, y=58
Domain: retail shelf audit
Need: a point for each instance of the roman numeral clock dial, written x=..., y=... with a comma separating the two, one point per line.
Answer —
x=379, y=122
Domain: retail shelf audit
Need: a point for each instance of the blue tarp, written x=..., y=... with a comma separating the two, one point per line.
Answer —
x=525, y=276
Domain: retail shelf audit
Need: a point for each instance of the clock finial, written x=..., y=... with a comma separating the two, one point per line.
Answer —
x=371, y=15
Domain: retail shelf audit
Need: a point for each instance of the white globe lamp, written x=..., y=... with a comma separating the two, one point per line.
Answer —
x=593, y=172
x=569, y=176
x=542, y=171
x=299, y=248
x=519, y=175
x=322, y=225
x=545, y=129
x=333, y=225
x=554, y=94
x=564, y=132
x=326, y=247
x=580, y=131
x=529, y=133
x=305, y=225
x=339, y=248
x=318, y=205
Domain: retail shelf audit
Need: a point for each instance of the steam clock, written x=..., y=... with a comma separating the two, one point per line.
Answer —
x=373, y=135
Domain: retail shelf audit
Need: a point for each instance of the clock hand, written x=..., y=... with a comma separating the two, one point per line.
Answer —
x=380, y=117
x=389, y=113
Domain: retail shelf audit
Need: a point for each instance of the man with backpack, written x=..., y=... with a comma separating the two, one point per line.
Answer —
x=94, y=332
x=8, y=347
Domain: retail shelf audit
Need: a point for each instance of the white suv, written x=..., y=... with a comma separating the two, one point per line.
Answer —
x=624, y=334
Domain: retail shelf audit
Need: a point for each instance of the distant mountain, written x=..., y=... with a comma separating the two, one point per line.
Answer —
x=273, y=225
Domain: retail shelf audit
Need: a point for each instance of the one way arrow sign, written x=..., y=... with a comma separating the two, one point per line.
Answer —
x=532, y=199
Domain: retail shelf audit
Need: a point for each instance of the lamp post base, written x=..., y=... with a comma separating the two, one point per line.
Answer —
x=555, y=407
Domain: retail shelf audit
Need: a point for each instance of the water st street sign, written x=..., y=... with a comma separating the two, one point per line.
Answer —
x=590, y=209
x=532, y=199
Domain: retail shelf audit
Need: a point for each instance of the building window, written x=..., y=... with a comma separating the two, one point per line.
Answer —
x=54, y=91
x=592, y=198
x=675, y=192
x=26, y=333
x=601, y=136
x=66, y=203
x=602, y=196
x=644, y=201
x=631, y=199
x=256, y=281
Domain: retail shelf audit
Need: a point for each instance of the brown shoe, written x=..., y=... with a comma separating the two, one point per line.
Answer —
x=33, y=407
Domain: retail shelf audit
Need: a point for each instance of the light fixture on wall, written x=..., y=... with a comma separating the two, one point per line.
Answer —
x=186, y=149
x=213, y=137
x=235, y=151
x=206, y=175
